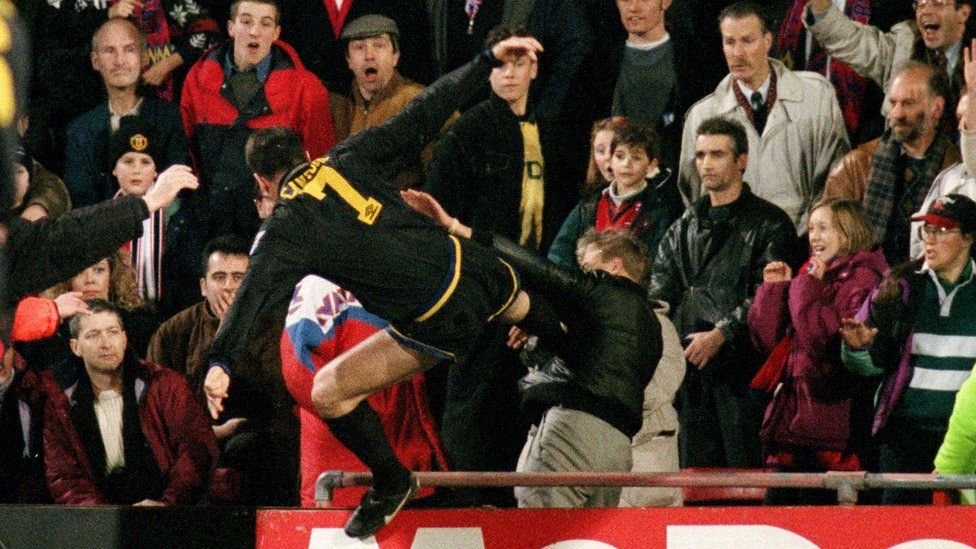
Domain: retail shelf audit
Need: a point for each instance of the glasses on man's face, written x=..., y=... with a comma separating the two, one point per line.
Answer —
x=936, y=232
x=938, y=4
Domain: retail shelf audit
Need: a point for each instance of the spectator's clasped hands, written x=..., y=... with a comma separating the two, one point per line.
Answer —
x=857, y=334
x=517, y=46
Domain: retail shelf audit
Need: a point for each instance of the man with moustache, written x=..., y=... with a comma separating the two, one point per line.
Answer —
x=792, y=119
x=893, y=174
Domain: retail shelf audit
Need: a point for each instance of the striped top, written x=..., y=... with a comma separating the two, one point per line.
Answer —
x=943, y=350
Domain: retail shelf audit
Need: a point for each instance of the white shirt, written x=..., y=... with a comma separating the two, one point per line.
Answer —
x=108, y=412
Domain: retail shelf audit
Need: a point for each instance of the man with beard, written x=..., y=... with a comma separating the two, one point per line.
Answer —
x=893, y=173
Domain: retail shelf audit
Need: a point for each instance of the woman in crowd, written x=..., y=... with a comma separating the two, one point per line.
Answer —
x=909, y=334
x=818, y=418
x=113, y=280
x=636, y=193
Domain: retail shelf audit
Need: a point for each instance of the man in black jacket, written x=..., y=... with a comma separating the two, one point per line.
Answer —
x=708, y=267
x=612, y=348
x=341, y=218
x=607, y=335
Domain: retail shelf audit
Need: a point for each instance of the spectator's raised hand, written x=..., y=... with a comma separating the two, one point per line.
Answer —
x=968, y=120
x=856, y=334
x=157, y=74
x=517, y=45
x=427, y=205
x=169, y=183
x=70, y=303
x=124, y=8
x=777, y=271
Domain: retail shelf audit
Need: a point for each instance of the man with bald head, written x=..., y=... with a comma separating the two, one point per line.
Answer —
x=119, y=56
x=892, y=174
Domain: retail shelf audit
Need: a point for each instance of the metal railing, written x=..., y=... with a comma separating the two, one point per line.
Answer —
x=846, y=484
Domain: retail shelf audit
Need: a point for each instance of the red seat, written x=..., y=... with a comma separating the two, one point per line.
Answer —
x=721, y=495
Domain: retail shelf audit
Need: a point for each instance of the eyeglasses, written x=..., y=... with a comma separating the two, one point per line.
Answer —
x=936, y=232
x=938, y=4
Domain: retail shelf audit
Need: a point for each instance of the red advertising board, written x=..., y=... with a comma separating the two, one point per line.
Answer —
x=739, y=527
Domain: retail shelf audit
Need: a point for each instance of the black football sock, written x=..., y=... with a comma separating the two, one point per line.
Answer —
x=361, y=431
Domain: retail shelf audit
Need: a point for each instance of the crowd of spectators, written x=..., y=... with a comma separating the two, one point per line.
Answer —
x=790, y=233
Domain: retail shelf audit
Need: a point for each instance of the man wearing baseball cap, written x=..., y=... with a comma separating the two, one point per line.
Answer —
x=918, y=331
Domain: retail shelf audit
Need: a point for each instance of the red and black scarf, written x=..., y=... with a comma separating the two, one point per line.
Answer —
x=791, y=45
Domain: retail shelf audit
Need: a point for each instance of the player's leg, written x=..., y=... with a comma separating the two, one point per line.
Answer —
x=339, y=394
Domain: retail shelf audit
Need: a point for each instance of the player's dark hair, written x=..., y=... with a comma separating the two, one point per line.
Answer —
x=270, y=152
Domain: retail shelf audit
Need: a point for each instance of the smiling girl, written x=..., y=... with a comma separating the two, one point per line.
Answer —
x=819, y=416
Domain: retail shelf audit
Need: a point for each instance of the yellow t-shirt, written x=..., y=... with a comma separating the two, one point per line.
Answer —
x=533, y=178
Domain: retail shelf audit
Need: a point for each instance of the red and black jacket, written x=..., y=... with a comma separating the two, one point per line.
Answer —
x=217, y=131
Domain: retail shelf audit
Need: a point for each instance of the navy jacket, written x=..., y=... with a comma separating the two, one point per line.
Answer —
x=87, y=172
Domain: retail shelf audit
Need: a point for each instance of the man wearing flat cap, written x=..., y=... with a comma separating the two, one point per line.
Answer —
x=378, y=91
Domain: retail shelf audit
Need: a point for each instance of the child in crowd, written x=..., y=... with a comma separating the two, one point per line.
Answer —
x=818, y=418
x=640, y=196
x=133, y=148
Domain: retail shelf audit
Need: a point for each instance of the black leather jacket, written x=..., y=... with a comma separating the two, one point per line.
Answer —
x=613, y=343
x=708, y=271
